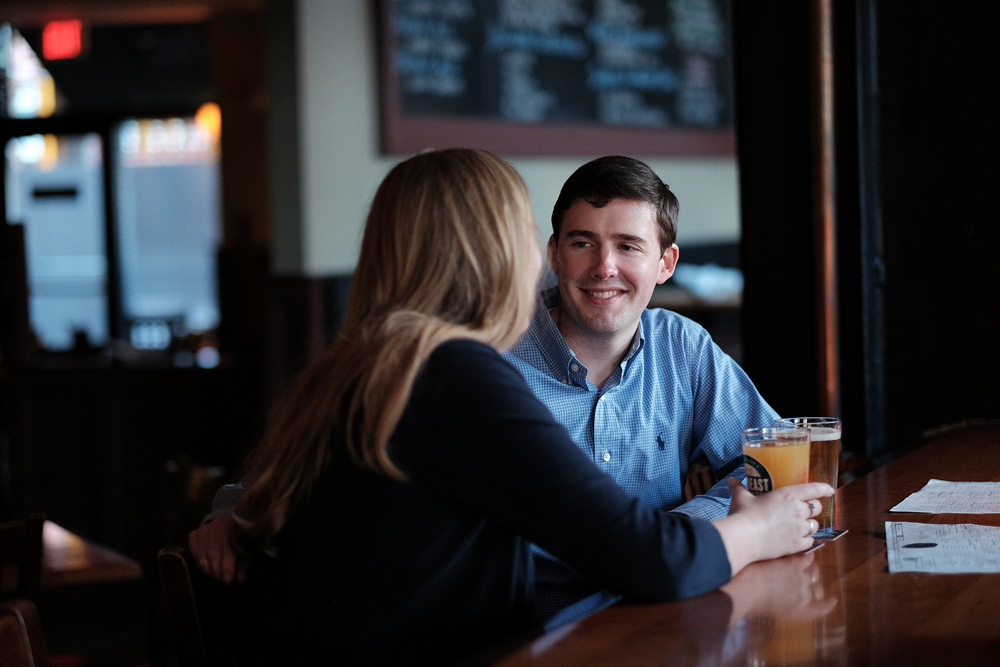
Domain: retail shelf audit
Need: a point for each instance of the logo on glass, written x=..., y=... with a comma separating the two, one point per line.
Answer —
x=758, y=478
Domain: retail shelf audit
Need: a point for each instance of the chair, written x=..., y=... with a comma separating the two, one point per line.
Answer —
x=21, y=546
x=196, y=606
x=699, y=479
x=21, y=641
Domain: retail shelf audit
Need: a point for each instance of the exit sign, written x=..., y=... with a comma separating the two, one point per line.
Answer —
x=62, y=40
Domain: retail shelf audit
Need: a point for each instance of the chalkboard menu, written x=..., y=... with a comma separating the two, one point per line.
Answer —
x=557, y=77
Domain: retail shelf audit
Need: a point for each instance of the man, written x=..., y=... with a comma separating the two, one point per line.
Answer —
x=645, y=393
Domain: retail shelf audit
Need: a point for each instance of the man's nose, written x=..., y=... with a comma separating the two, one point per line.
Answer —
x=604, y=267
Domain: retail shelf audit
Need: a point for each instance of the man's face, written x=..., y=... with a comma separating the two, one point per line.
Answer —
x=608, y=261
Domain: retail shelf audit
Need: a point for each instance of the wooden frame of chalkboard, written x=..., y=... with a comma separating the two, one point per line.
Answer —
x=405, y=132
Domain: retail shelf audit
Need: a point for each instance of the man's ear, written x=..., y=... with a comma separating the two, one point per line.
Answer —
x=668, y=263
x=551, y=249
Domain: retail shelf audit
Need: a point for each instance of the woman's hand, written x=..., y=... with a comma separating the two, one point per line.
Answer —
x=783, y=588
x=212, y=547
x=773, y=524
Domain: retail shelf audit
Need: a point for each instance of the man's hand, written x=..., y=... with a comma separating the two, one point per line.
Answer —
x=212, y=547
x=772, y=524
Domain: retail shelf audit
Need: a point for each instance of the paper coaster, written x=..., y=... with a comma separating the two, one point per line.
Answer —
x=815, y=545
x=831, y=537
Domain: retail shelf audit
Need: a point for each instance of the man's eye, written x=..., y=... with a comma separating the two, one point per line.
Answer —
x=627, y=247
x=579, y=244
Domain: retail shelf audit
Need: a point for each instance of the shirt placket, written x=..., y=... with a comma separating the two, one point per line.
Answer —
x=607, y=429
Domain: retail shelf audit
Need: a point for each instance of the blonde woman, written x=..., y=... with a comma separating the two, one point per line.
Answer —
x=391, y=501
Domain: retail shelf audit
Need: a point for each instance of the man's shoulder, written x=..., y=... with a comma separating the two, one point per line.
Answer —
x=541, y=346
x=668, y=332
x=526, y=350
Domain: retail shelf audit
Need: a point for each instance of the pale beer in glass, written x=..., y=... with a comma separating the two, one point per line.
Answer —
x=775, y=457
x=824, y=460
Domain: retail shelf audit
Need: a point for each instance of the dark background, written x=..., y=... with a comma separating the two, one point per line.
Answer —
x=919, y=282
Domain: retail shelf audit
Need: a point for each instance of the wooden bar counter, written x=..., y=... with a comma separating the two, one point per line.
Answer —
x=835, y=606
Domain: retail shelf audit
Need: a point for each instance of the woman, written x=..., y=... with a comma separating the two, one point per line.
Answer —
x=391, y=501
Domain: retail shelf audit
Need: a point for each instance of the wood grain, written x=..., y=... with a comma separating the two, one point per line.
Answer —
x=68, y=560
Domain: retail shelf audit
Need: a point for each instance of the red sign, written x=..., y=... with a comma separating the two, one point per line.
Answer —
x=62, y=39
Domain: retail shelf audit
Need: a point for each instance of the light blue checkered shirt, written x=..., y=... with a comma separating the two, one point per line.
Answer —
x=675, y=399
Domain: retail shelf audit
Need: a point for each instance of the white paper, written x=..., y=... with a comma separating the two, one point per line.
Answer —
x=942, y=548
x=940, y=497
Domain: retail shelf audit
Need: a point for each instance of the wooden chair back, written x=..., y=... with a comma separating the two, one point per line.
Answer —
x=699, y=479
x=21, y=641
x=196, y=606
x=21, y=548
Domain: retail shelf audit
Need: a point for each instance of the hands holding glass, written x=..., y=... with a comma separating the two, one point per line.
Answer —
x=795, y=451
x=775, y=517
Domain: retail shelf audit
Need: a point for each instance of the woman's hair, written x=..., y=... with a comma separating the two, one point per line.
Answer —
x=446, y=254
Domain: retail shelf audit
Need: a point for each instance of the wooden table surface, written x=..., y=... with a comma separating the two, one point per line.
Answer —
x=836, y=606
x=68, y=560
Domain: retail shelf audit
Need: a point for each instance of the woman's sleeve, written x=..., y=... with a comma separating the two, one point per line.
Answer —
x=475, y=433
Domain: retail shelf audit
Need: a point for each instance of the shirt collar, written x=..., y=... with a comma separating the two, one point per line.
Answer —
x=547, y=336
x=554, y=348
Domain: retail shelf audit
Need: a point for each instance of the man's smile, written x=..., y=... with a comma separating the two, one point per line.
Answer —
x=604, y=294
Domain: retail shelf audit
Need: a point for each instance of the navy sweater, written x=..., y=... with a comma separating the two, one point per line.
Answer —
x=376, y=571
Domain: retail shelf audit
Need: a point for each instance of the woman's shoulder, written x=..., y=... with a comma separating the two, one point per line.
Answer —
x=464, y=391
x=471, y=371
x=464, y=348
x=464, y=356
x=467, y=348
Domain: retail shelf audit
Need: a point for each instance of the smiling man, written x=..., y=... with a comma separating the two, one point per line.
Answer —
x=644, y=392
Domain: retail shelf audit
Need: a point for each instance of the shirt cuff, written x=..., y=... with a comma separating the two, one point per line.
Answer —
x=709, y=508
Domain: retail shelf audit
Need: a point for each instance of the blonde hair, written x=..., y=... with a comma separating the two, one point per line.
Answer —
x=446, y=254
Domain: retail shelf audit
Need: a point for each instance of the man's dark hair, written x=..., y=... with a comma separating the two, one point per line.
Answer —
x=618, y=177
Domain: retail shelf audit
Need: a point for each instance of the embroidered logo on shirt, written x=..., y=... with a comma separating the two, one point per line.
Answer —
x=659, y=442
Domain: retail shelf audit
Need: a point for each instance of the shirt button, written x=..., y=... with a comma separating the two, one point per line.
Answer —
x=564, y=381
x=575, y=368
x=607, y=456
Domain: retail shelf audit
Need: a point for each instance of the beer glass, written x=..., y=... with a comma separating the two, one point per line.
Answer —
x=775, y=457
x=824, y=460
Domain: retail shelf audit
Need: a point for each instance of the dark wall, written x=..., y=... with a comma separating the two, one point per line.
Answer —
x=133, y=67
x=772, y=134
x=939, y=168
x=918, y=280
x=98, y=449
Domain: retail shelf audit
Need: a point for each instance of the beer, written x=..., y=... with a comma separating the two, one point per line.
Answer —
x=775, y=457
x=824, y=460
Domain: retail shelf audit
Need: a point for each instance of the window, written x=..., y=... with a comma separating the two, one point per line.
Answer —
x=54, y=187
x=166, y=228
x=143, y=272
x=168, y=225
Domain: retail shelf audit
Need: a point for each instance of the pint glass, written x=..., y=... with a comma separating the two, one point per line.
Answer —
x=824, y=460
x=775, y=457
